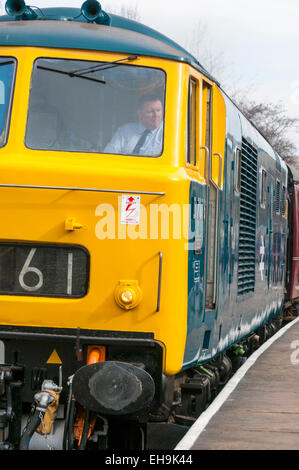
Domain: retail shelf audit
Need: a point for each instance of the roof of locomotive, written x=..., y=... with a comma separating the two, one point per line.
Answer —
x=67, y=28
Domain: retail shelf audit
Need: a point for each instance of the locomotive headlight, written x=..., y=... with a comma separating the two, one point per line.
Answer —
x=128, y=294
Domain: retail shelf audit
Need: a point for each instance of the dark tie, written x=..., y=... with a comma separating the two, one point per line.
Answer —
x=141, y=141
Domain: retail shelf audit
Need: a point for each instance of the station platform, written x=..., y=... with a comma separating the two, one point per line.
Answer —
x=258, y=409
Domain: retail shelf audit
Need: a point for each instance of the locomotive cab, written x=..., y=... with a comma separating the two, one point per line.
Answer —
x=92, y=272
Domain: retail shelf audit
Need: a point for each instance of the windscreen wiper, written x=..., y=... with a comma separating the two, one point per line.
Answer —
x=70, y=74
x=7, y=62
x=102, y=66
x=80, y=73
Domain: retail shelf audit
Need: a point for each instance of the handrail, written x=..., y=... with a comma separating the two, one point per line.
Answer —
x=220, y=168
x=70, y=188
x=204, y=147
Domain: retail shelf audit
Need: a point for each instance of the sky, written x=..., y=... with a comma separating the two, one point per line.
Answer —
x=256, y=42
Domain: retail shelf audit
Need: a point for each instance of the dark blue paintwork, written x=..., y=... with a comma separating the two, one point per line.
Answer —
x=235, y=316
x=196, y=327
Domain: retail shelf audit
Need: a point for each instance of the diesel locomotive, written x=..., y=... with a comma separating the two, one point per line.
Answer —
x=133, y=280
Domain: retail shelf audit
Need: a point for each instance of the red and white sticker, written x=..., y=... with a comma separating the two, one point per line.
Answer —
x=130, y=210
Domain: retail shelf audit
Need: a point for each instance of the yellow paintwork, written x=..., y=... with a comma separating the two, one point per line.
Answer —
x=218, y=145
x=41, y=215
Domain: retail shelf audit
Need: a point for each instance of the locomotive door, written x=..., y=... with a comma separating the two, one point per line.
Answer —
x=211, y=229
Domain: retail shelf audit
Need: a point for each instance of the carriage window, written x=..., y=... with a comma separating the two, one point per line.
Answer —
x=192, y=110
x=263, y=188
x=97, y=107
x=7, y=73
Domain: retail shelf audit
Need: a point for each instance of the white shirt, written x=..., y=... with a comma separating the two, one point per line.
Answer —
x=127, y=136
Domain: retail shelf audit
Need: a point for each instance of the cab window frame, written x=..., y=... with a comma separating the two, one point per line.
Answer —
x=99, y=62
x=192, y=157
x=6, y=126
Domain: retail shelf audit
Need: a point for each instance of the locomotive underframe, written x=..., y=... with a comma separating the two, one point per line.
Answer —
x=178, y=399
x=27, y=366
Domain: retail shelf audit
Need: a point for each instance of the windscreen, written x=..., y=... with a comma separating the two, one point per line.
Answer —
x=7, y=73
x=99, y=107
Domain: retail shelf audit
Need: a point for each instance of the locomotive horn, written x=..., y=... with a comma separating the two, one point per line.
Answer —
x=113, y=388
x=19, y=9
x=92, y=11
x=15, y=7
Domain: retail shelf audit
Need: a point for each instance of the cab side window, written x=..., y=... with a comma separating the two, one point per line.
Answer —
x=192, y=123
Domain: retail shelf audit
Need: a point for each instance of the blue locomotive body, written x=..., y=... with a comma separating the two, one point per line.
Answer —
x=252, y=239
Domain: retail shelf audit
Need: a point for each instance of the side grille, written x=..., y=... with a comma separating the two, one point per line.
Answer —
x=277, y=203
x=248, y=201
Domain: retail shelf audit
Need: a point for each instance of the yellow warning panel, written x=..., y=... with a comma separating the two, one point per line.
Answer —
x=54, y=358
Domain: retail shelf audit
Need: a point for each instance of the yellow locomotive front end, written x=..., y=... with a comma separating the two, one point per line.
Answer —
x=99, y=146
x=92, y=243
x=73, y=246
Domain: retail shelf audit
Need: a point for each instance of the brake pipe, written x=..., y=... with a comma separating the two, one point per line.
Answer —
x=43, y=399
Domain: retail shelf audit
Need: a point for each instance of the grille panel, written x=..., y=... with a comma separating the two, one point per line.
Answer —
x=247, y=233
x=277, y=202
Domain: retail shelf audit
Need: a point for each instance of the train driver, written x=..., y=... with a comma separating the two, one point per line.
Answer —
x=144, y=137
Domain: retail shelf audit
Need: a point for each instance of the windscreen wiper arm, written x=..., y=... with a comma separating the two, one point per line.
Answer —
x=70, y=74
x=7, y=62
x=102, y=66
x=80, y=73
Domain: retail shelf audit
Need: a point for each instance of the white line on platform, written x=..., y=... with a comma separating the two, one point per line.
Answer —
x=200, y=424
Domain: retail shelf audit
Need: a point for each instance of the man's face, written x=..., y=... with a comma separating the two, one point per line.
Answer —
x=150, y=115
